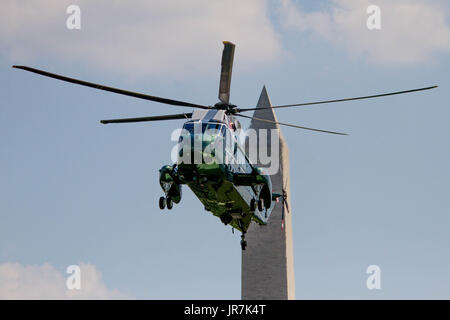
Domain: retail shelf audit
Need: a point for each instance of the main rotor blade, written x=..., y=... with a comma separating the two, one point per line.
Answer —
x=110, y=89
x=341, y=100
x=225, y=74
x=289, y=125
x=154, y=118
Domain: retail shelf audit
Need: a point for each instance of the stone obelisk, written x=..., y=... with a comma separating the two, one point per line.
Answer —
x=268, y=261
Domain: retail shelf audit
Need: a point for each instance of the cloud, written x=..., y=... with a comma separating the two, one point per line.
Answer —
x=412, y=31
x=143, y=38
x=45, y=282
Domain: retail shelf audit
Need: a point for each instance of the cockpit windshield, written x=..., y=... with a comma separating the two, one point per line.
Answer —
x=210, y=129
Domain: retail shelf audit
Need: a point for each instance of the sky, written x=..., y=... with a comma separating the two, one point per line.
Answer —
x=75, y=192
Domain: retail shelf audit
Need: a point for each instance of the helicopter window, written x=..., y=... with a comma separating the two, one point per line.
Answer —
x=192, y=127
x=212, y=128
x=212, y=131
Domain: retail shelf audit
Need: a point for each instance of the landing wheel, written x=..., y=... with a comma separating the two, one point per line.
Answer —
x=260, y=204
x=169, y=203
x=252, y=205
x=162, y=203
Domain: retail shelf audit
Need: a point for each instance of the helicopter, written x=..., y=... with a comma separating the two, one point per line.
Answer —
x=225, y=181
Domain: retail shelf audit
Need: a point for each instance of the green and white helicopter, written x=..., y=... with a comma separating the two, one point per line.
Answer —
x=228, y=184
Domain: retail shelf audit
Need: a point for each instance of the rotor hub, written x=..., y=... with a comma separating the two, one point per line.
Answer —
x=229, y=108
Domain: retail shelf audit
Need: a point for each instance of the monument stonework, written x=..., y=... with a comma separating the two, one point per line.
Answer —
x=268, y=261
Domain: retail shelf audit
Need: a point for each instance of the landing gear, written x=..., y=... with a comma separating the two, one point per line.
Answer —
x=162, y=203
x=260, y=204
x=165, y=201
x=243, y=242
x=169, y=203
x=226, y=218
x=252, y=205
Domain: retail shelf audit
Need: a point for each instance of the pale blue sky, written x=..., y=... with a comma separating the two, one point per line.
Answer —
x=73, y=190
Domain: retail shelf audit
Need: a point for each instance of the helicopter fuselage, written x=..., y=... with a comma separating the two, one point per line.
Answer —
x=213, y=164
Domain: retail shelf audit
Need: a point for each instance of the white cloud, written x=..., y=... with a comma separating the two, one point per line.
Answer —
x=45, y=282
x=144, y=38
x=412, y=31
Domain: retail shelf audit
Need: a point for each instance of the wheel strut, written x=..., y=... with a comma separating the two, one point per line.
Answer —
x=243, y=242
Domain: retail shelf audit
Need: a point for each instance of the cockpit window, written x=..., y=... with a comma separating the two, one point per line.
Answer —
x=191, y=127
x=210, y=129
